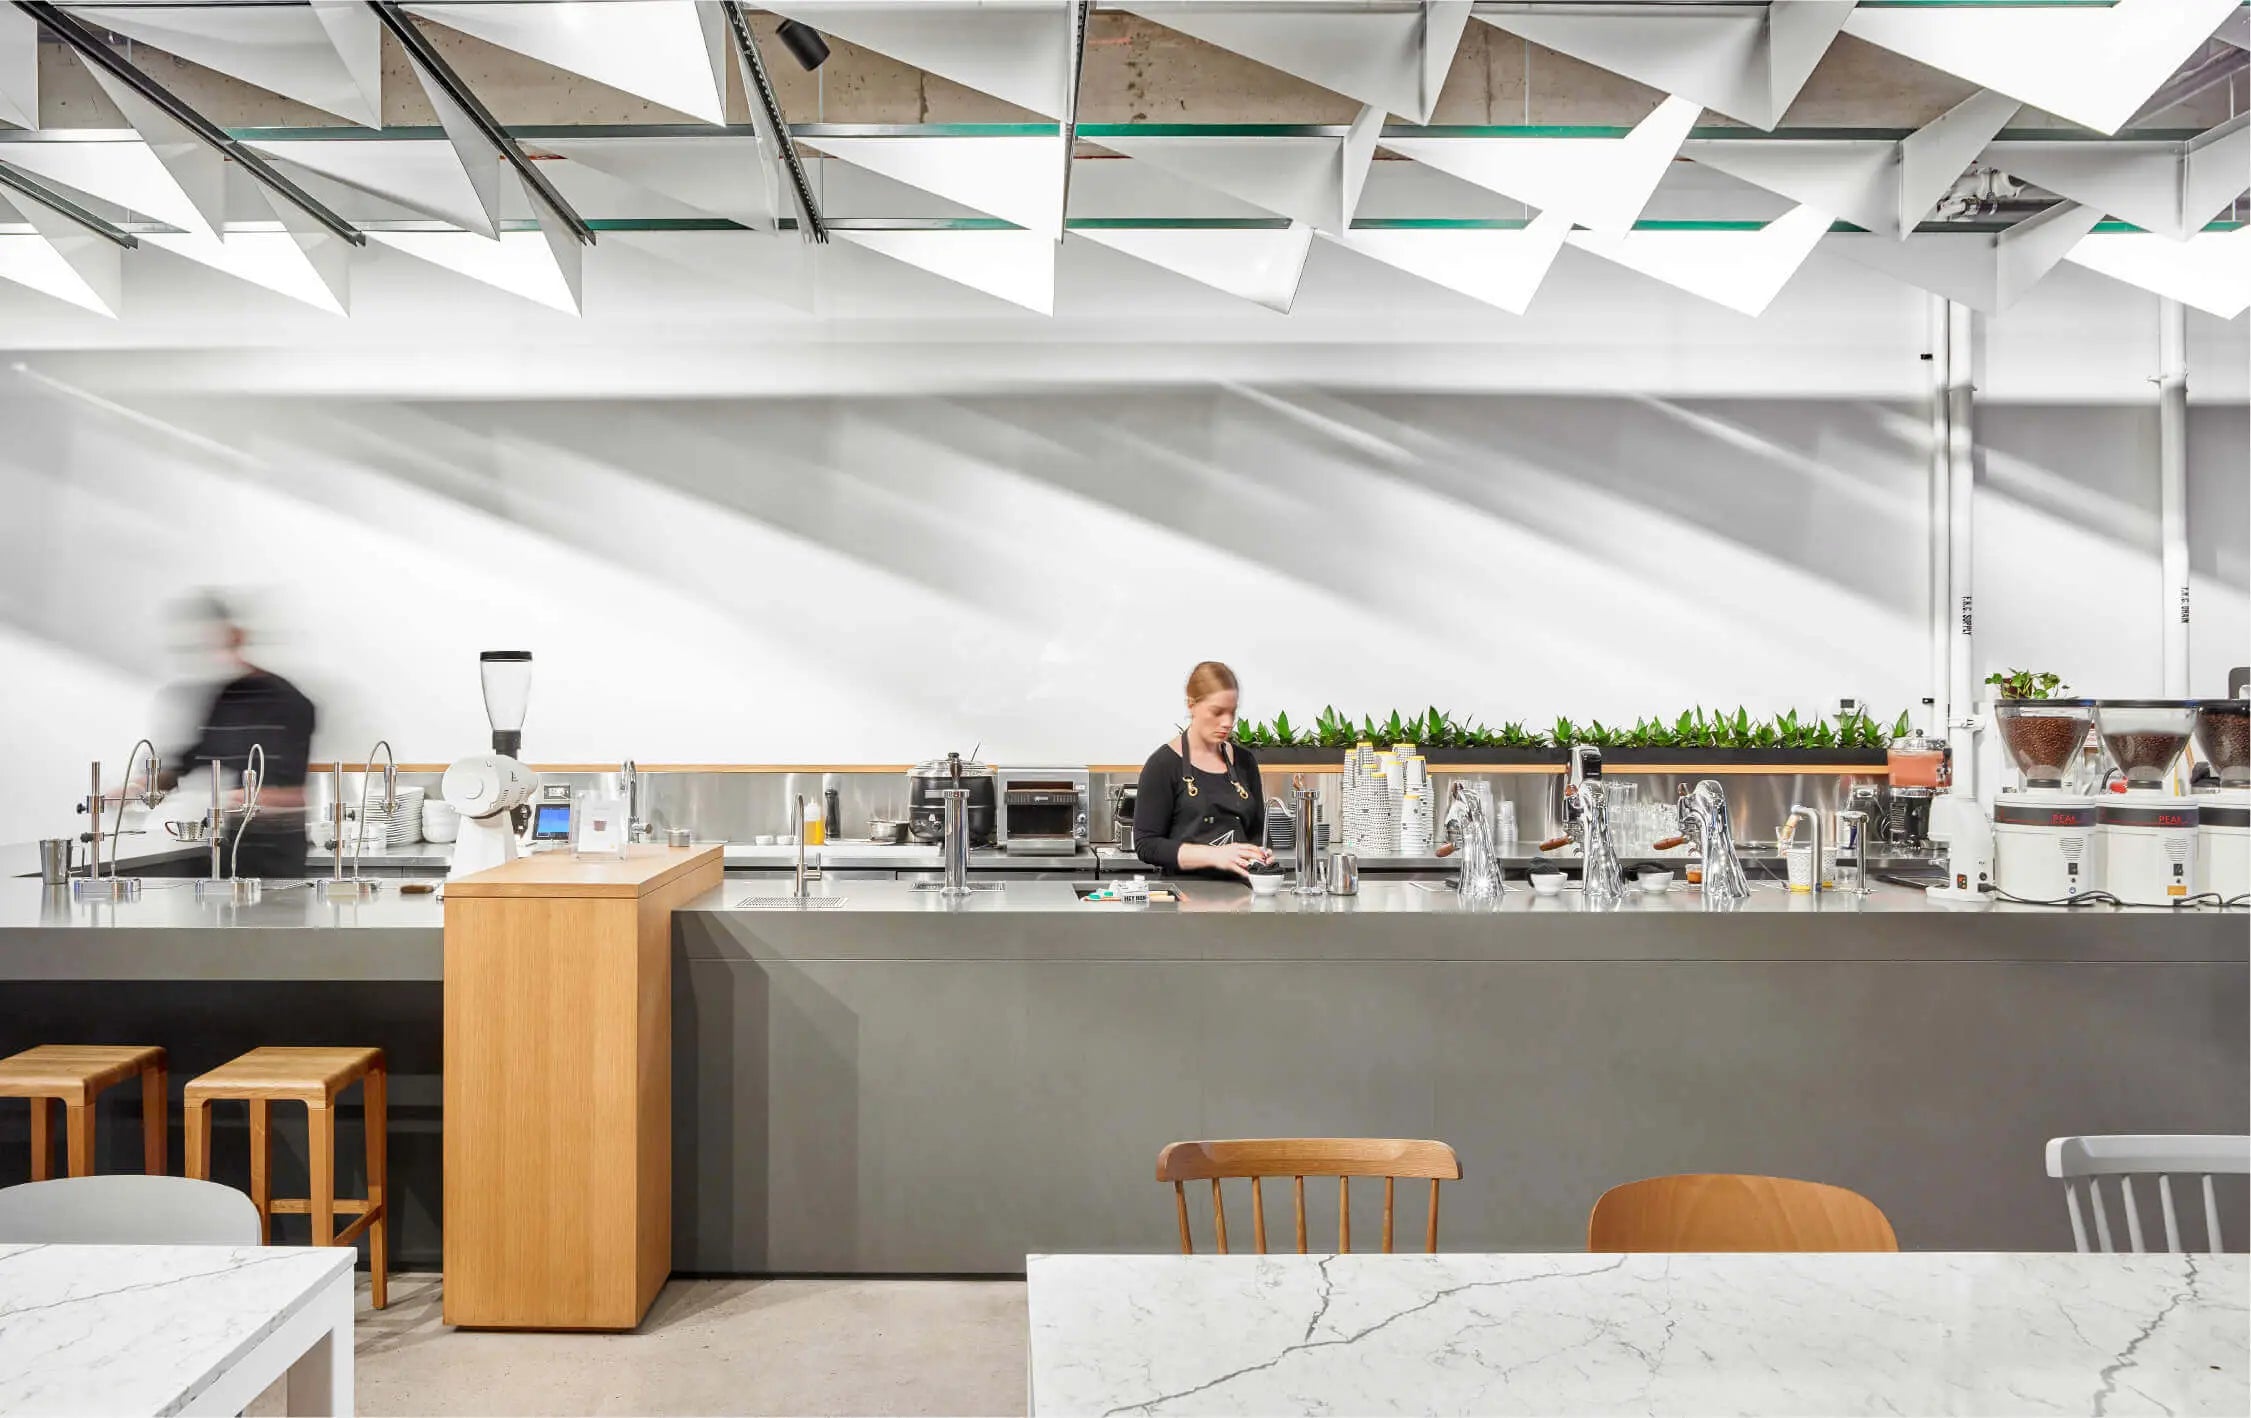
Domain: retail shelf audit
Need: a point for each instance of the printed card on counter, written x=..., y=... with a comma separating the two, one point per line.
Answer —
x=598, y=828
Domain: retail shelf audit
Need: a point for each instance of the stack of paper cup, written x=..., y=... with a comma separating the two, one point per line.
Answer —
x=1383, y=818
x=1415, y=825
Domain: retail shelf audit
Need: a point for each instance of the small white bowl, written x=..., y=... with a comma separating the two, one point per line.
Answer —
x=1548, y=883
x=1267, y=883
x=1655, y=881
x=763, y=839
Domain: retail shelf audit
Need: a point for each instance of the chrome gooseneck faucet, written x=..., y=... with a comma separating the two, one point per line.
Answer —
x=636, y=830
x=1703, y=815
x=1469, y=807
x=1587, y=809
x=94, y=884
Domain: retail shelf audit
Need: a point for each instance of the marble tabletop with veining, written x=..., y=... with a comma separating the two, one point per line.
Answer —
x=142, y=1329
x=1916, y=1332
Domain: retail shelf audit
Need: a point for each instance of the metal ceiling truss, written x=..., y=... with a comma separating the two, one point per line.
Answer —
x=769, y=103
x=91, y=48
x=433, y=64
x=37, y=191
x=1082, y=15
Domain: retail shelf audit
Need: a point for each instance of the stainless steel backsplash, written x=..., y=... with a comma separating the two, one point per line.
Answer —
x=736, y=807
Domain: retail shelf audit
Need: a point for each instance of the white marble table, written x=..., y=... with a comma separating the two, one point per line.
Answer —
x=173, y=1329
x=1919, y=1332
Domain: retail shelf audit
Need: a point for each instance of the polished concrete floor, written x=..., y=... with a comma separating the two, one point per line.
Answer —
x=711, y=1346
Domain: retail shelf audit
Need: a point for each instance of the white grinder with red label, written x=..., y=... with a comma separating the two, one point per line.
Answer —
x=2148, y=832
x=2045, y=843
x=2223, y=829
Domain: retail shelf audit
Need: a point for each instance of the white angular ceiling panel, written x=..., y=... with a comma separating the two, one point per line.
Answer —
x=2095, y=65
x=2211, y=270
x=671, y=52
x=1987, y=271
x=1262, y=265
x=1741, y=269
x=1499, y=266
x=197, y=171
x=290, y=254
x=1020, y=51
x=58, y=257
x=1856, y=179
x=1314, y=178
x=19, y=68
x=1933, y=156
x=1016, y=266
x=544, y=266
x=489, y=175
x=2172, y=189
x=328, y=55
x=424, y=175
x=1747, y=61
x=725, y=176
x=1601, y=183
x=125, y=171
x=1016, y=177
x=1393, y=58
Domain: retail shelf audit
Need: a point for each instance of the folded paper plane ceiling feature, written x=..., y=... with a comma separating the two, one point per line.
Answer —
x=1015, y=266
x=327, y=54
x=1262, y=265
x=671, y=52
x=1601, y=183
x=1742, y=269
x=1016, y=177
x=2094, y=65
x=1393, y=57
x=1500, y=266
x=1315, y=178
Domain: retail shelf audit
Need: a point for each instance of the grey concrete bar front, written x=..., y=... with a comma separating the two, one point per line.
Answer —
x=896, y=1084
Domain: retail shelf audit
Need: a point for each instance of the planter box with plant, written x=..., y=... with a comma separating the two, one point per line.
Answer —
x=1691, y=737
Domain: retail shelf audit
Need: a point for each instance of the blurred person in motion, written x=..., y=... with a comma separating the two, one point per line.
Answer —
x=239, y=705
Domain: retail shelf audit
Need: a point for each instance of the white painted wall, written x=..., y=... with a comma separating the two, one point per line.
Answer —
x=871, y=539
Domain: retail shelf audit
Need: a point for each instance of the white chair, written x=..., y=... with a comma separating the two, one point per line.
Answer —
x=2126, y=1156
x=127, y=1211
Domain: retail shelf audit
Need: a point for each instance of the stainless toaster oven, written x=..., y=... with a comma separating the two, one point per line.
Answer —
x=1043, y=811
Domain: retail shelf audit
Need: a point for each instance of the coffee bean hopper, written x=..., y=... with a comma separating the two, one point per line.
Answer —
x=2149, y=833
x=2044, y=835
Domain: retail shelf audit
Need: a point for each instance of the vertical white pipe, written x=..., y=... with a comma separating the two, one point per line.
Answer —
x=1961, y=484
x=2172, y=490
x=1941, y=599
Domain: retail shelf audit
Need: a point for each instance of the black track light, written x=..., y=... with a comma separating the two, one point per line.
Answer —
x=804, y=44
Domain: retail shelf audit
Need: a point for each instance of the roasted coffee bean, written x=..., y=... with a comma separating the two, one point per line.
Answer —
x=2045, y=740
x=2226, y=740
x=2144, y=757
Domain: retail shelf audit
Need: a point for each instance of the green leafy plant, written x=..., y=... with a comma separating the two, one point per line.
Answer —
x=2027, y=684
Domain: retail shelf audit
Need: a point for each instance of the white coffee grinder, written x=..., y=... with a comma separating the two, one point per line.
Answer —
x=2045, y=842
x=488, y=788
x=2042, y=833
x=2149, y=838
x=2223, y=812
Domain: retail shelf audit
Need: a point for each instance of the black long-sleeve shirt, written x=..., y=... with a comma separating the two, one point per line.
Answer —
x=255, y=707
x=1166, y=815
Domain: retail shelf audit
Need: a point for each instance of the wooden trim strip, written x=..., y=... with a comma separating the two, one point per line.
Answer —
x=1271, y=770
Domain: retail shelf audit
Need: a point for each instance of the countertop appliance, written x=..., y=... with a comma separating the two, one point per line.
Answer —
x=1043, y=811
x=2149, y=833
x=1124, y=797
x=2045, y=843
x=1917, y=769
x=490, y=788
x=926, y=805
x=2223, y=739
x=2223, y=845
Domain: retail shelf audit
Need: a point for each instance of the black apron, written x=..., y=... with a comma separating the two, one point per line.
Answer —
x=1211, y=808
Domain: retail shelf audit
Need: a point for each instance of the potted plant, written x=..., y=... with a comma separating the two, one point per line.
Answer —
x=2028, y=684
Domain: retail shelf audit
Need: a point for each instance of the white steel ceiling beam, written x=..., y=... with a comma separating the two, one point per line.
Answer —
x=1395, y=58
x=2094, y=65
x=1741, y=269
x=670, y=52
x=1262, y=265
x=1313, y=178
x=1015, y=266
x=1747, y=61
x=2211, y=270
x=1016, y=177
x=61, y=258
x=327, y=54
x=19, y=68
x=1498, y=266
x=1601, y=183
x=2169, y=188
x=1022, y=51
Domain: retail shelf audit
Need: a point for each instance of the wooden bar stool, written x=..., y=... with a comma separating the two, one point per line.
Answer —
x=314, y=1077
x=76, y=1074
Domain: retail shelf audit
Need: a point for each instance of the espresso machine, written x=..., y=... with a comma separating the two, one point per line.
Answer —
x=1917, y=769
